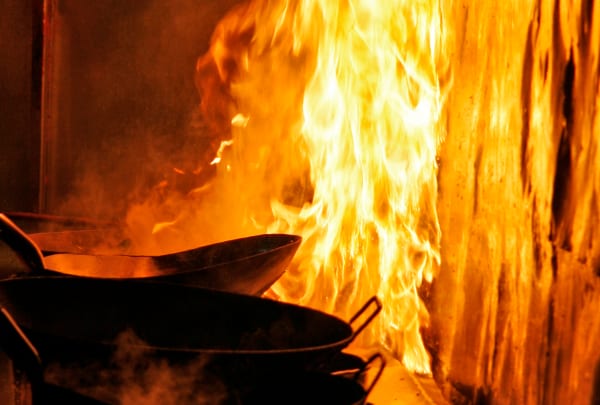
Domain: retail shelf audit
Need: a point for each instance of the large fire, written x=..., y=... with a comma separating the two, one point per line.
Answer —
x=324, y=118
x=334, y=109
x=329, y=115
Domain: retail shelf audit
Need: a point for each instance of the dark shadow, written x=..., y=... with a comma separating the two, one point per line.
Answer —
x=595, y=400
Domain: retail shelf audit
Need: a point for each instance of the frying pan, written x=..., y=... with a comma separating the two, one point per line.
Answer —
x=296, y=387
x=246, y=265
x=79, y=323
x=309, y=388
x=314, y=388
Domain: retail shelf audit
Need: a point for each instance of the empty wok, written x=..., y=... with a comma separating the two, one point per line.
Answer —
x=247, y=265
x=78, y=322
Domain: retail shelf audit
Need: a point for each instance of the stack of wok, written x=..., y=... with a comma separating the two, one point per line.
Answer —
x=101, y=338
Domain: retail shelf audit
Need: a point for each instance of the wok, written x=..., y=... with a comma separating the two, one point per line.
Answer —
x=295, y=388
x=246, y=265
x=79, y=322
x=349, y=366
x=314, y=388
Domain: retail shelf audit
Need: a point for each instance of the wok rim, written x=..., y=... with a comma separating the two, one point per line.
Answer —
x=293, y=244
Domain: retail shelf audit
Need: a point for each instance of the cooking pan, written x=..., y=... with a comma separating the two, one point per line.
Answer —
x=79, y=321
x=347, y=365
x=246, y=265
x=315, y=388
x=308, y=388
x=294, y=388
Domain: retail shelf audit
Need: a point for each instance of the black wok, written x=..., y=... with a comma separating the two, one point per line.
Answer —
x=78, y=321
x=314, y=388
x=247, y=265
x=297, y=387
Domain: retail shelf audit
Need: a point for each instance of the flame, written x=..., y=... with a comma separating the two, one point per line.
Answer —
x=341, y=104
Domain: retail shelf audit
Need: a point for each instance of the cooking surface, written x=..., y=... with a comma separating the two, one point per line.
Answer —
x=398, y=386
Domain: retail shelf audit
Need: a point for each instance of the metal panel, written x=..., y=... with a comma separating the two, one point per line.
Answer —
x=19, y=110
x=119, y=96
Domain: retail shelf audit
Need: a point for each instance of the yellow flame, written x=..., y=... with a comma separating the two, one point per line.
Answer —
x=341, y=103
x=219, y=154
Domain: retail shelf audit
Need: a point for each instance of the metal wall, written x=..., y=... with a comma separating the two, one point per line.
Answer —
x=19, y=107
x=119, y=98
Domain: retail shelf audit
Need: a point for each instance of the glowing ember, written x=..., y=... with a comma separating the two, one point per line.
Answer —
x=334, y=117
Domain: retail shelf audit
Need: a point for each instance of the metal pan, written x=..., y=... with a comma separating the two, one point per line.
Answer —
x=75, y=320
x=315, y=388
x=347, y=365
x=247, y=265
x=296, y=387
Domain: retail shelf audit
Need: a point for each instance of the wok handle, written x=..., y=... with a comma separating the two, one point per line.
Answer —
x=382, y=364
x=19, y=348
x=372, y=301
x=21, y=244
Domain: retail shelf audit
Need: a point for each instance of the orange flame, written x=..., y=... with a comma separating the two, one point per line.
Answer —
x=341, y=103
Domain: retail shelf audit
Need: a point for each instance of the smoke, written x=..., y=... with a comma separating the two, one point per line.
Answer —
x=125, y=103
x=134, y=376
x=149, y=381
